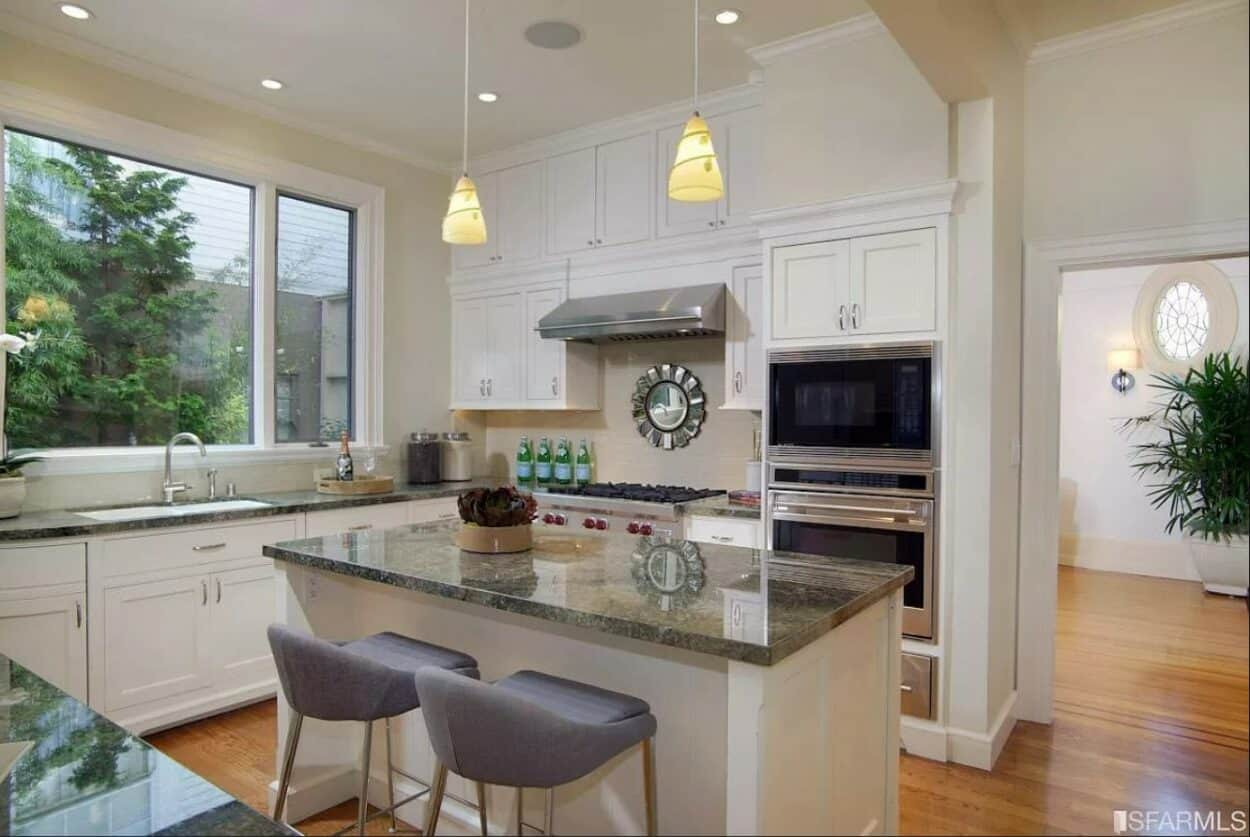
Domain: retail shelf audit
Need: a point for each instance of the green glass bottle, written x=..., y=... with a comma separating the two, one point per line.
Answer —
x=524, y=463
x=542, y=463
x=581, y=469
x=564, y=463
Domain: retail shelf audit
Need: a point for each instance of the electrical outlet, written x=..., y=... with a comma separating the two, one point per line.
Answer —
x=312, y=587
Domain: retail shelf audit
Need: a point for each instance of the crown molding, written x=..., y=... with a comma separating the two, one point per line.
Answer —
x=1142, y=26
x=878, y=207
x=851, y=29
x=148, y=71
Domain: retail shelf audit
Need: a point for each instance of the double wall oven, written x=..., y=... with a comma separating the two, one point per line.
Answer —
x=852, y=456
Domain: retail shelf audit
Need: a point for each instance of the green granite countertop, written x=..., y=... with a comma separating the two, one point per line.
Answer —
x=83, y=774
x=755, y=606
x=67, y=523
x=721, y=506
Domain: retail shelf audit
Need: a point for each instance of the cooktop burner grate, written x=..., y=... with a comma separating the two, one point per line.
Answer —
x=637, y=492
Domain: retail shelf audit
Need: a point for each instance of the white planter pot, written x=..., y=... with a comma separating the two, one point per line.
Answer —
x=1223, y=566
x=12, y=495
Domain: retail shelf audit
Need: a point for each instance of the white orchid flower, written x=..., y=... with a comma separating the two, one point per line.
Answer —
x=11, y=343
x=31, y=339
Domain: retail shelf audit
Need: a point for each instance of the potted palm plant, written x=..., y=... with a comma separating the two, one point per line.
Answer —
x=1201, y=459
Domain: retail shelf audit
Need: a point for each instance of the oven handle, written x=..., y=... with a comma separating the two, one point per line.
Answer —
x=891, y=522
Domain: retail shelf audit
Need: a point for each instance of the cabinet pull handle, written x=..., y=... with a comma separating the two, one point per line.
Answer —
x=490, y=386
x=448, y=516
x=205, y=547
x=903, y=687
x=591, y=242
x=77, y=614
x=723, y=538
x=481, y=387
x=855, y=315
x=203, y=592
x=360, y=528
x=738, y=382
x=722, y=222
x=219, y=591
x=555, y=384
x=711, y=223
x=842, y=318
x=598, y=241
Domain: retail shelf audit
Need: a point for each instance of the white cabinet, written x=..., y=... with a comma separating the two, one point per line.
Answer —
x=242, y=608
x=744, y=340
x=505, y=321
x=881, y=284
x=559, y=375
x=737, y=138
x=512, y=206
x=433, y=511
x=43, y=612
x=487, y=345
x=726, y=531
x=600, y=196
x=355, y=519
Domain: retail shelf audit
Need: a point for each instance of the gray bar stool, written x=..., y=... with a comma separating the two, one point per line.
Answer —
x=530, y=730
x=363, y=680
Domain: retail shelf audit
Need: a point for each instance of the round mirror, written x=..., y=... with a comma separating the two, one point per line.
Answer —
x=667, y=405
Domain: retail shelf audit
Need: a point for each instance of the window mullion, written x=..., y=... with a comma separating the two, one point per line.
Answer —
x=264, y=298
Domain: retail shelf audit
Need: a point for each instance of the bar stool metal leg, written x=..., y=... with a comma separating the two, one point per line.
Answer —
x=363, y=810
x=549, y=821
x=520, y=811
x=648, y=780
x=390, y=778
x=436, y=798
x=288, y=763
x=481, y=807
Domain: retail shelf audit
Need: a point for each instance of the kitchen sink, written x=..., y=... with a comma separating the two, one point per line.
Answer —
x=180, y=510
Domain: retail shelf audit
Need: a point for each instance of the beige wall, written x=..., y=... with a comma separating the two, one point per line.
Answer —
x=416, y=261
x=1145, y=133
x=849, y=119
x=715, y=458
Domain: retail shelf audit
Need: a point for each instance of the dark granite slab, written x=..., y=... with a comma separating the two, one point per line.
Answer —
x=83, y=774
x=66, y=523
x=721, y=506
x=755, y=606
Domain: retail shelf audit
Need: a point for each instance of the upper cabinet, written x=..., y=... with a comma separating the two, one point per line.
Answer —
x=600, y=196
x=744, y=340
x=512, y=202
x=737, y=139
x=571, y=197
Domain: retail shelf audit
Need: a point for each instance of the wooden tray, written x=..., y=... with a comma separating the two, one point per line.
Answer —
x=495, y=539
x=365, y=484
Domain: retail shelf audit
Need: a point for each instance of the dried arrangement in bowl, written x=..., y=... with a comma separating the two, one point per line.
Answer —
x=496, y=520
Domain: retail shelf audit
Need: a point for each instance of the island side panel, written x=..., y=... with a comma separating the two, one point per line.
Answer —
x=813, y=740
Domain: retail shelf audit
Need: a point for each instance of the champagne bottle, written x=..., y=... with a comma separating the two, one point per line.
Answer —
x=564, y=463
x=542, y=463
x=581, y=471
x=524, y=464
x=343, y=465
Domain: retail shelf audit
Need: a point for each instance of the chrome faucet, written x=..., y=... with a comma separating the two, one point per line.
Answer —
x=173, y=489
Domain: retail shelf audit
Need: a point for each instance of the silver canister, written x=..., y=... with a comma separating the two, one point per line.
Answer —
x=424, y=459
x=457, y=457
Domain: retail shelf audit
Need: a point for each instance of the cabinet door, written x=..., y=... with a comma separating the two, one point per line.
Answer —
x=519, y=215
x=744, y=343
x=623, y=199
x=738, y=139
x=809, y=291
x=477, y=255
x=241, y=608
x=893, y=282
x=470, y=350
x=544, y=379
x=571, y=201
x=48, y=635
x=505, y=320
x=156, y=640
x=678, y=217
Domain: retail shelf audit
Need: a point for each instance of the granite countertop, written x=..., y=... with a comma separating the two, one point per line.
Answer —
x=65, y=523
x=755, y=606
x=721, y=506
x=83, y=774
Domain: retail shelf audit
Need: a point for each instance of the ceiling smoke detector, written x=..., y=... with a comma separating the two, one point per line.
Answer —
x=553, y=34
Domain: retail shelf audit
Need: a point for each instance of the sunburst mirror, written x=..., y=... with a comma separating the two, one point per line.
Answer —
x=669, y=406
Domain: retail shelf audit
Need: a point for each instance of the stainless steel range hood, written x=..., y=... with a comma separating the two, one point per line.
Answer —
x=696, y=311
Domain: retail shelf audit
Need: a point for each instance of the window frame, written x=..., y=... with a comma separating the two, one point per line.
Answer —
x=1221, y=309
x=35, y=112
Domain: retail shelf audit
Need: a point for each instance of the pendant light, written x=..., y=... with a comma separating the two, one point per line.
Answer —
x=464, y=222
x=695, y=176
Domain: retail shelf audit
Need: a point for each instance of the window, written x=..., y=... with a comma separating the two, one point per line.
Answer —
x=133, y=285
x=1181, y=321
x=314, y=315
x=1184, y=312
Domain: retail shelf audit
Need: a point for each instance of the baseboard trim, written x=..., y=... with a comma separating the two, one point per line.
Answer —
x=923, y=738
x=313, y=791
x=144, y=722
x=982, y=749
x=1160, y=559
x=454, y=817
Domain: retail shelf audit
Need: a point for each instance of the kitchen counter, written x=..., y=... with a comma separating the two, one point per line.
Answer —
x=626, y=585
x=66, y=523
x=721, y=506
x=85, y=775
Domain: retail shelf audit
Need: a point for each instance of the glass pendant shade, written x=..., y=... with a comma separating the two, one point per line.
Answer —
x=695, y=176
x=464, y=222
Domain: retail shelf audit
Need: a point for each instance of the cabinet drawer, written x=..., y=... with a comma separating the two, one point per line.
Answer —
x=432, y=511
x=916, y=682
x=356, y=519
x=725, y=531
x=190, y=547
x=43, y=566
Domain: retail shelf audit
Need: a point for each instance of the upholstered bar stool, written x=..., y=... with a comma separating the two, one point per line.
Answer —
x=529, y=730
x=363, y=680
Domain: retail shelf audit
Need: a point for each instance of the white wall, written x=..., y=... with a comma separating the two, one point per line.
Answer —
x=1106, y=520
x=1144, y=133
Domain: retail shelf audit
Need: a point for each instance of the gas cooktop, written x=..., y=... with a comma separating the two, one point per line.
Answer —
x=635, y=492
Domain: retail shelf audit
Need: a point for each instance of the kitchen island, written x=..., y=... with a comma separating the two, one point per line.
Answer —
x=774, y=677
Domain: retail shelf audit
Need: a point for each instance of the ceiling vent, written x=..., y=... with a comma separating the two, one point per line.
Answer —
x=553, y=34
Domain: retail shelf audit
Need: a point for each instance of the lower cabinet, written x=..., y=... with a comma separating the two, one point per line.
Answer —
x=726, y=531
x=43, y=595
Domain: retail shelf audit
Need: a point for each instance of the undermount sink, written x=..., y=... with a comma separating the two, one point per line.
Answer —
x=145, y=512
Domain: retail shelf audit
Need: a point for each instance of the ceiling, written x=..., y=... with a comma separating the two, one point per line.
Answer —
x=390, y=71
x=1033, y=21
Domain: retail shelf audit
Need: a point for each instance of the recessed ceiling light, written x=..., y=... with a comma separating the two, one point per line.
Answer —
x=728, y=16
x=553, y=34
x=76, y=12
x=487, y=96
x=271, y=84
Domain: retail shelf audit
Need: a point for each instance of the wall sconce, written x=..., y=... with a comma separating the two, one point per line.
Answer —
x=1120, y=361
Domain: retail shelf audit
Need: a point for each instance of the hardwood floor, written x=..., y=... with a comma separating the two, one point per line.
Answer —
x=1151, y=712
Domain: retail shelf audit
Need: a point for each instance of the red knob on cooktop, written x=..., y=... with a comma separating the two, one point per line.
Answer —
x=633, y=527
x=549, y=518
x=646, y=529
x=589, y=523
x=601, y=524
x=561, y=520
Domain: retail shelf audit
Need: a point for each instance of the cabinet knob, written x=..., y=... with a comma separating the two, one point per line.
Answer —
x=598, y=241
x=721, y=222
x=591, y=242
x=711, y=223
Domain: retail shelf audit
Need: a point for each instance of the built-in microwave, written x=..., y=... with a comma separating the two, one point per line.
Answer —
x=877, y=403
